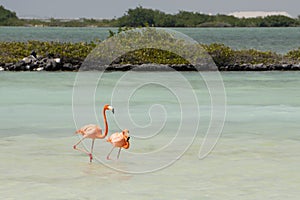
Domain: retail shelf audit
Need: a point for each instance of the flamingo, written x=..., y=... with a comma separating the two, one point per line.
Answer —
x=94, y=132
x=120, y=140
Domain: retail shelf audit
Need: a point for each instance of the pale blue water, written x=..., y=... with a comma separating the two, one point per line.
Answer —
x=257, y=156
x=280, y=40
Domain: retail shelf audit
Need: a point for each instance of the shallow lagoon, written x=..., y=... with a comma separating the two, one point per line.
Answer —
x=257, y=155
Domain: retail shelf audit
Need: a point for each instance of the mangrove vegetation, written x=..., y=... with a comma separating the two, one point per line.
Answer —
x=73, y=54
x=142, y=17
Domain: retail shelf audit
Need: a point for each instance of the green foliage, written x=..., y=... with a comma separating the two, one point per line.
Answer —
x=15, y=51
x=143, y=17
x=8, y=18
x=150, y=55
x=221, y=54
x=255, y=57
x=77, y=52
x=278, y=21
x=120, y=29
x=294, y=54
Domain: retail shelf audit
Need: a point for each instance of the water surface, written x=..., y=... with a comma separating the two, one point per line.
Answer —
x=257, y=156
x=279, y=40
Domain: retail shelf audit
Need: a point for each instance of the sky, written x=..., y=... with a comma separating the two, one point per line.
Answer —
x=108, y=9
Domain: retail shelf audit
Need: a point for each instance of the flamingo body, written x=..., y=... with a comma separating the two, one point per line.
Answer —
x=91, y=131
x=120, y=140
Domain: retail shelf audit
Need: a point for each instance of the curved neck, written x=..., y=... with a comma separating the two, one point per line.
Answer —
x=105, y=123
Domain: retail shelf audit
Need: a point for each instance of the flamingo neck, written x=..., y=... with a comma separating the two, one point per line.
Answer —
x=105, y=123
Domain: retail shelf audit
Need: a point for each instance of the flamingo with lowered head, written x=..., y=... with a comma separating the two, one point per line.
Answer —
x=120, y=140
x=94, y=132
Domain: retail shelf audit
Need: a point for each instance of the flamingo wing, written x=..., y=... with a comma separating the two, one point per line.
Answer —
x=89, y=129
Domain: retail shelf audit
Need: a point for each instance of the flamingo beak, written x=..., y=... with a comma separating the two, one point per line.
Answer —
x=112, y=109
x=128, y=139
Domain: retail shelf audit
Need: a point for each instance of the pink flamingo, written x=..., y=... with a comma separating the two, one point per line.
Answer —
x=120, y=140
x=94, y=132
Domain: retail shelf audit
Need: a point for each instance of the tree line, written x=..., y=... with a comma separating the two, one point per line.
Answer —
x=142, y=17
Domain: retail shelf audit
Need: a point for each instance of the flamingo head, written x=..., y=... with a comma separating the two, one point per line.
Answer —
x=125, y=133
x=109, y=107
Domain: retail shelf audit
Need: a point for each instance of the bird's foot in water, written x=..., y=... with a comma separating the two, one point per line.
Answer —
x=91, y=157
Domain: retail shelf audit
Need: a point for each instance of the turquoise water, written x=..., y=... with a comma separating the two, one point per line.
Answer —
x=256, y=157
x=280, y=40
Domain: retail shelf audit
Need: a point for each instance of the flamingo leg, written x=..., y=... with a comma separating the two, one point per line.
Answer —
x=91, y=155
x=78, y=142
x=107, y=157
x=119, y=153
x=82, y=150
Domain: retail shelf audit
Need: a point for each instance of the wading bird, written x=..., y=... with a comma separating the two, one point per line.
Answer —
x=120, y=140
x=94, y=132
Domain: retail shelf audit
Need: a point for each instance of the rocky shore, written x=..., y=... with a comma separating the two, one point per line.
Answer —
x=55, y=56
x=33, y=63
x=49, y=63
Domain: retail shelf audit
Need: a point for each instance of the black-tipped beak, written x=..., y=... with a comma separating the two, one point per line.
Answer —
x=128, y=139
x=113, y=111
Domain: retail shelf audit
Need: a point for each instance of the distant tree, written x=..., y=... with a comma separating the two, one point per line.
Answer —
x=138, y=17
x=279, y=21
x=8, y=17
x=141, y=17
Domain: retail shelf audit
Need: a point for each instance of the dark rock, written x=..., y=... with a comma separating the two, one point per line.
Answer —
x=287, y=67
x=223, y=68
x=67, y=67
x=33, y=53
x=18, y=66
x=278, y=67
x=7, y=65
x=295, y=67
x=271, y=67
x=261, y=67
x=76, y=67
x=48, y=66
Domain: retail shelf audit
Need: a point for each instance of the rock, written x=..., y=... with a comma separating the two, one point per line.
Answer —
x=27, y=67
x=76, y=67
x=39, y=69
x=271, y=67
x=287, y=67
x=1, y=69
x=49, y=65
x=18, y=66
x=57, y=60
x=7, y=65
x=31, y=58
x=67, y=67
x=223, y=68
x=295, y=67
x=278, y=67
x=116, y=67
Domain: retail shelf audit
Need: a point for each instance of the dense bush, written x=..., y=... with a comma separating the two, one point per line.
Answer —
x=221, y=54
x=15, y=51
x=294, y=55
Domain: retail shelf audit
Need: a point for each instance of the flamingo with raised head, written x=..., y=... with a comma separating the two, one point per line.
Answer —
x=120, y=140
x=94, y=132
